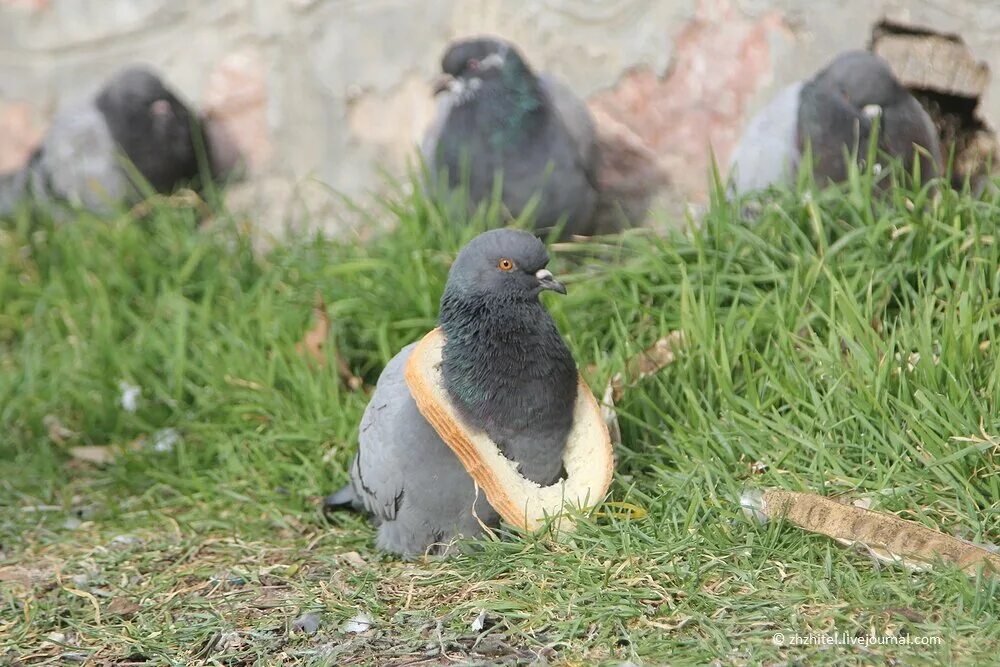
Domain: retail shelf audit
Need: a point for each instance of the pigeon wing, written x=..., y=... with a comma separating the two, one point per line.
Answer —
x=578, y=122
x=907, y=125
x=377, y=473
x=767, y=153
x=80, y=162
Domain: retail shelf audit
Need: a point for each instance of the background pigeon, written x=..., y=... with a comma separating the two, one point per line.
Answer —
x=834, y=110
x=496, y=116
x=80, y=159
x=508, y=372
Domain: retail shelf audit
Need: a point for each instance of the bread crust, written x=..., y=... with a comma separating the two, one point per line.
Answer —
x=588, y=457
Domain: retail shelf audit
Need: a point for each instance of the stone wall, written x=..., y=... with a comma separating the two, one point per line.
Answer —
x=336, y=91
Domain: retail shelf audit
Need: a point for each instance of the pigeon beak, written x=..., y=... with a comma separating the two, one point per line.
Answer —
x=546, y=281
x=442, y=83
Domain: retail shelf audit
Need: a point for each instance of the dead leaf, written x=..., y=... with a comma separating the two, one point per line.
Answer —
x=96, y=454
x=26, y=576
x=653, y=359
x=315, y=339
x=55, y=430
x=122, y=607
x=354, y=558
x=183, y=198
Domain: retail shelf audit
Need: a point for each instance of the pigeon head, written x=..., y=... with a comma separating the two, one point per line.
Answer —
x=505, y=264
x=152, y=126
x=863, y=79
x=470, y=65
x=839, y=107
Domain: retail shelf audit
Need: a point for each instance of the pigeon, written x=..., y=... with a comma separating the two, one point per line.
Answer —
x=835, y=111
x=497, y=118
x=80, y=159
x=507, y=371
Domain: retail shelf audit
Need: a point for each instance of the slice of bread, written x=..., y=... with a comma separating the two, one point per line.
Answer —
x=588, y=457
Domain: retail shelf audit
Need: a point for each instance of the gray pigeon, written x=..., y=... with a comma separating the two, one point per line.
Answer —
x=497, y=119
x=834, y=111
x=80, y=160
x=508, y=372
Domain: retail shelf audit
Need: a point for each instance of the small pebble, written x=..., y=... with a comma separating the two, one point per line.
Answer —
x=307, y=623
x=130, y=396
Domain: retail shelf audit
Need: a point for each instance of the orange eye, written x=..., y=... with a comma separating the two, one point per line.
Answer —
x=505, y=264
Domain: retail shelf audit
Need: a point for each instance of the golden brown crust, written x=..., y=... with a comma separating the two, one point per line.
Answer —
x=588, y=458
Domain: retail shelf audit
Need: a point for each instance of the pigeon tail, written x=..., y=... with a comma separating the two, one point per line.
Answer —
x=344, y=499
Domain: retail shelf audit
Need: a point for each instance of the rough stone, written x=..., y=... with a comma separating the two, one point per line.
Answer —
x=235, y=99
x=335, y=91
x=20, y=132
x=392, y=124
x=720, y=61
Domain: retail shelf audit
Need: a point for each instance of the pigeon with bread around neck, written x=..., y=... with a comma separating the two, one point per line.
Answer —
x=508, y=373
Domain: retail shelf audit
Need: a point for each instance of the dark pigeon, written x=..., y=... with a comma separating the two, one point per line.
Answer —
x=80, y=161
x=497, y=118
x=508, y=372
x=835, y=111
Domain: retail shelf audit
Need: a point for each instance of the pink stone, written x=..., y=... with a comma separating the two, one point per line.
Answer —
x=235, y=107
x=721, y=60
x=27, y=5
x=21, y=131
x=630, y=175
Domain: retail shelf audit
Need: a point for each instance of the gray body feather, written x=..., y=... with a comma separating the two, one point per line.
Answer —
x=79, y=163
x=411, y=484
x=768, y=151
x=84, y=156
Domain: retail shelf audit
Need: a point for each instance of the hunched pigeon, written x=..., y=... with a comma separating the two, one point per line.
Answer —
x=80, y=159
x=835, y=111
x=498, y=119
x=507, y=371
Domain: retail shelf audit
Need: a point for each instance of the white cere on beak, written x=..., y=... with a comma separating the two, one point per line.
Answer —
x=872, y=110
x=543, y=274
x=492, y=60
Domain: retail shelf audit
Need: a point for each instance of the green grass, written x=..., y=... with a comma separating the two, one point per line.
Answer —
x=840, y=344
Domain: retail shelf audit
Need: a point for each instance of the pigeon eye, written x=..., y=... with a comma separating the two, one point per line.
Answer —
x=505, y=265
x=472, y=64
